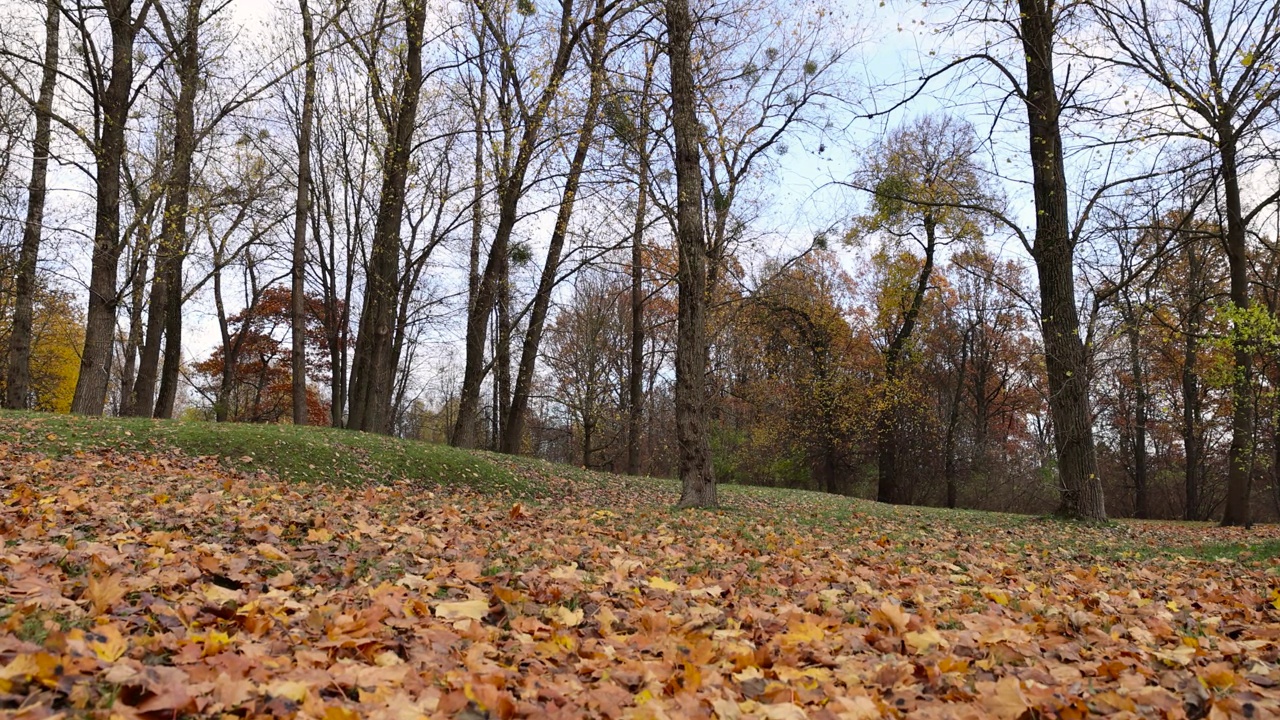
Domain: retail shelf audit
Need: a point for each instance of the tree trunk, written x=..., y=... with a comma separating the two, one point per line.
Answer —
x=635, y=368
x=1142, y=499
x=1240, y=457
x=1191, y=418
x=502, y=354
x=513, y=430
x=949, y=471
x=1065, y=360
x=698, y=485
x=373, y=366
x=172, y=247
x=166, y=396
x=100, y=320
x=133, y=343
x=298, y=311
x=18, y=378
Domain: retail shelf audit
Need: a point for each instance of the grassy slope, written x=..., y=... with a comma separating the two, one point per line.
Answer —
x=313, y=454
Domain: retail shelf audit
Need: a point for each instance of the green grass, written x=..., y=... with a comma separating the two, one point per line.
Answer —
x=326, y=455
x=295, y=454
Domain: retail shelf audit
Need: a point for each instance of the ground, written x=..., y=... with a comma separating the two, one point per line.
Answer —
x=169, y=570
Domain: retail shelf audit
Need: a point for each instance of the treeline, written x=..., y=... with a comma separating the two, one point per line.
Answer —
x=553, y=228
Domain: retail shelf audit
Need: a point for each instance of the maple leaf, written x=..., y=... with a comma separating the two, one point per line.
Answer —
x=566, y=617
x=104, y=592
x=1004, y=698
x=662, y=584
x=107, y=642
x=891, y=615
x=923, y=641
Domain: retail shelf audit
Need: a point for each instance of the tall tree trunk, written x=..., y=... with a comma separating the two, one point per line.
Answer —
x=302, y=206
x=133, y=343
x=477, y=188
x=167, y=395
x=18, y=377
x=172, y=247
x=1141, y=494
x=1065, y=360
x=513, y=430
x=949, y=471
x=373, y=368
x=1190, y=429
x=635, y=368
x=100, y=320
x=698, y=484
x=510, y=190
x=502, y=355
x=1240, y=458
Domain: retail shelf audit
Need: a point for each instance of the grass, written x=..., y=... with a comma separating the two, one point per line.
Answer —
x=316, y=454
x=294, y=454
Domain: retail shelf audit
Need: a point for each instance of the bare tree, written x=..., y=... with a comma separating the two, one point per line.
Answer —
x=18, y=378
x=374, y=361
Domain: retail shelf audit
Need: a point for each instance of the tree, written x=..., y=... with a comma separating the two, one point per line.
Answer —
x=543, y=85
x=247, y=377
x=302, y=207
x=513, y=430
x=926, y=189
x=18, y=377
x=374, y=363
x=183, y=40
x=112, y=83
x=1214, y=63
x=698, y=484
x=1020, y=43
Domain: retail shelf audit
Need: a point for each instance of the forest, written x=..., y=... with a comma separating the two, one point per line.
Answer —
x=968, y=253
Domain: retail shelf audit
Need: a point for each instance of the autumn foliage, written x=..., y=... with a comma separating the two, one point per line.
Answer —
x=161, y=585
x=249, y=378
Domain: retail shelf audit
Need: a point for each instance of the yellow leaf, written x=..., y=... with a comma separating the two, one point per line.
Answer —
x=271, y=552
x=1180, y=656
x=289, y=689
x=215, y=642
x=923, y=641
x=463, y=609
x=662, y=584
x=107, y=643
x=804, y=632
x=22, y=667
x=566, y=617
x=283, y=580
x=999, y=597
x=333, y=712
x=319, y=535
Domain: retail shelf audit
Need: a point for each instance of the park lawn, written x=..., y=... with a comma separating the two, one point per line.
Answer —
x=154, y=569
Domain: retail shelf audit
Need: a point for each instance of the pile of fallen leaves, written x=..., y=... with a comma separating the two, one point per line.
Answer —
x=149, y=586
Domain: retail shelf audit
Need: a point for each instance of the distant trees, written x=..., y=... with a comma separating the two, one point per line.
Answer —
x=1211, y=70
x=927, y=192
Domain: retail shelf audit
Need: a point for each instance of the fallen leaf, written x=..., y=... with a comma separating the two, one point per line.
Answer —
x=461, y=609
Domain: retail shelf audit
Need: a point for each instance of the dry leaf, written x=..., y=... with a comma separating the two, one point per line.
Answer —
x=461, y=609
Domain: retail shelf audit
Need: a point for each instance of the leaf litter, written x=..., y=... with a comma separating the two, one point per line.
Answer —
x=160, y=586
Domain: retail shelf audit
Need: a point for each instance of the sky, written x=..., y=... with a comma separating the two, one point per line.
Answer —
x=806, y=197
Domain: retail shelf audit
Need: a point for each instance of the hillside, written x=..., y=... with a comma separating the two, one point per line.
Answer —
x=158, y=569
